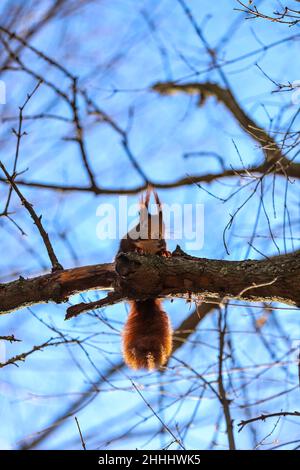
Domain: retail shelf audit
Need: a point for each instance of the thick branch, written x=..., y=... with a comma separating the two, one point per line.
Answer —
x=137, y=277
x=55, y=287
x=276, y=279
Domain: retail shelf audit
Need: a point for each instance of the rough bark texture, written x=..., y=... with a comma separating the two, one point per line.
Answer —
x=135, y=276
x=275, y=279
x=55, y=287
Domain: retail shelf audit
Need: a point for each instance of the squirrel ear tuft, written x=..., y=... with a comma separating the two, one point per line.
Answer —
x=145, y=198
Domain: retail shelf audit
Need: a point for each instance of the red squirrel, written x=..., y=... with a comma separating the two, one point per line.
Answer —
x=147, y=334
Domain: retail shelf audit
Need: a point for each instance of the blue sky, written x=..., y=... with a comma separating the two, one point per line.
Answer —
x=117, y=57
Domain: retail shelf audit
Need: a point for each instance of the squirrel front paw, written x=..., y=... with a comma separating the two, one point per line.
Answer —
x=166, y=254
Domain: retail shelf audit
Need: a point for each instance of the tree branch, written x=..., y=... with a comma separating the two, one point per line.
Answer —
x=274, y=158
x=36, y=219
x=275, y=161
x=55, y=287
x=243, y=423
x=135, y=276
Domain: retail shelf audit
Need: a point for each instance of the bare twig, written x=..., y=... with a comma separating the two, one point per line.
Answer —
x=76, y=310
x=36, y=219
x=19, y=134
x=263, y=417
x=21, y=357
x=222, y=392
x=80, y=434
x=287, y=16
x=10, y=338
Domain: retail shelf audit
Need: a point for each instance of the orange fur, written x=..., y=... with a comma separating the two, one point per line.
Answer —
x=147, y=335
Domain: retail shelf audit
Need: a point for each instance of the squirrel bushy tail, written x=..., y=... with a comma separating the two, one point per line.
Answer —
x=147, y=335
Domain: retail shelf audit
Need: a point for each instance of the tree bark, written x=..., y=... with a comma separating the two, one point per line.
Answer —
x=275, y=279
x=135, y=276
x=55, y=287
